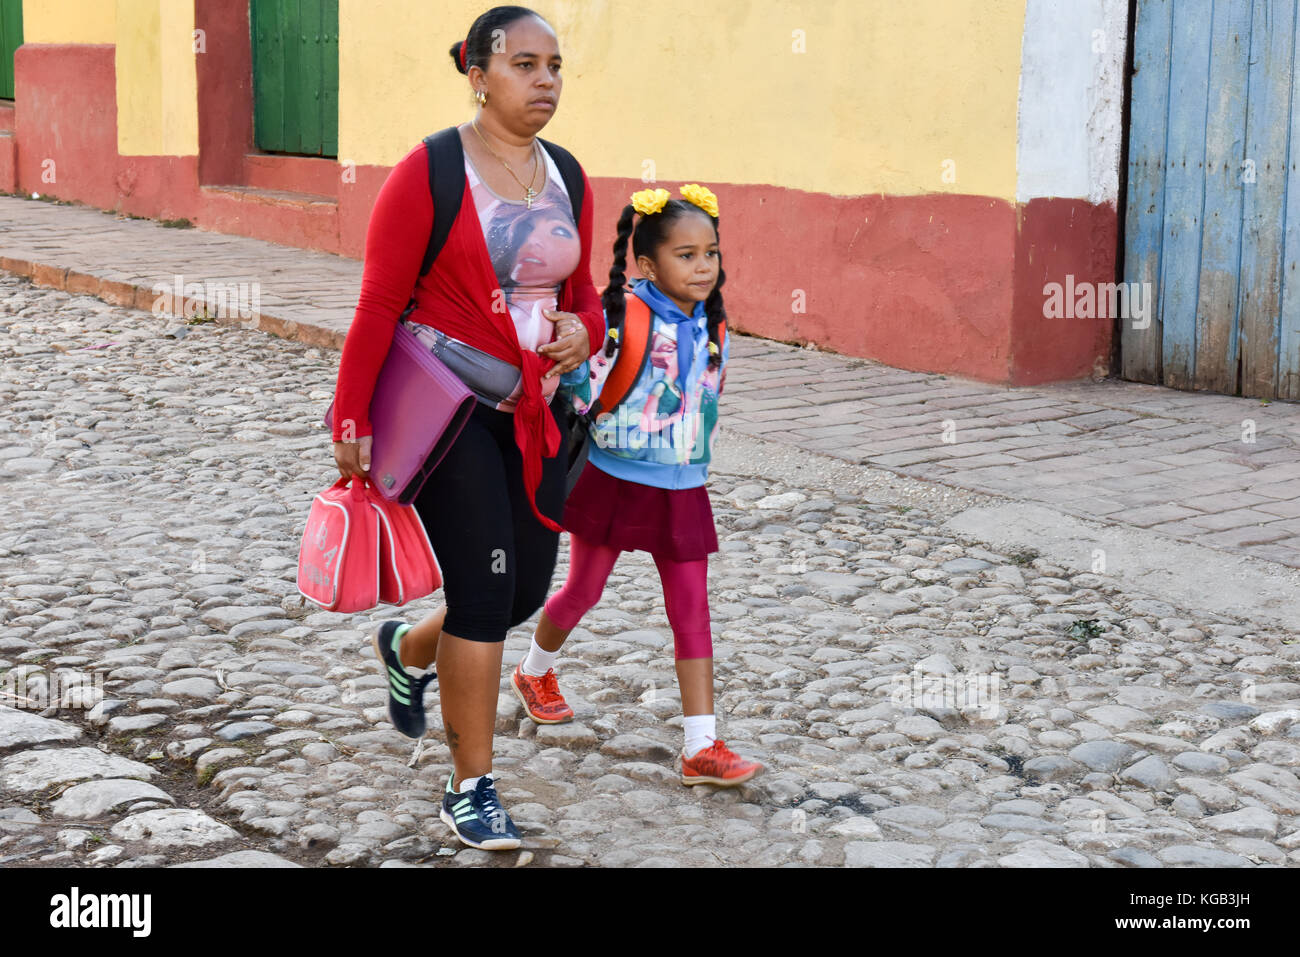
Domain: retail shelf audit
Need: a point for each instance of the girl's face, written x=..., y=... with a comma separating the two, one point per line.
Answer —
x=552, y=244
x=523, y=81
x=685, y=267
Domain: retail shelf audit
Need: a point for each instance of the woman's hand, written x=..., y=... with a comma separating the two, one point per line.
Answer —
x=571, y=347
x=353, y=458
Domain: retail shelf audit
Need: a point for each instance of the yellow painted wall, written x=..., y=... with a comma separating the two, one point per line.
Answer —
x=69, y=21
x=887, y=92
x=157, y=85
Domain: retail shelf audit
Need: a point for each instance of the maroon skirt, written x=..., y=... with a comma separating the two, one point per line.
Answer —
x=676, y=524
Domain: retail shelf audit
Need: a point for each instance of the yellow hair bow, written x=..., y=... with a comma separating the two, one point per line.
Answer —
x=650, y=201
x=702, y=197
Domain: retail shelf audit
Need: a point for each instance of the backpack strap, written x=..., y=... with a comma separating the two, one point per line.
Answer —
x=633, y=352
x=445, y=152
x=571, y=173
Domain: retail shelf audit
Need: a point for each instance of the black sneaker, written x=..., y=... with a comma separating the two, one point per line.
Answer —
x=405, y=693
x=477, y=817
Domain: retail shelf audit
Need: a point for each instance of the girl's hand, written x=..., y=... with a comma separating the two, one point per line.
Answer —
x=572, y=346
x=353, y=458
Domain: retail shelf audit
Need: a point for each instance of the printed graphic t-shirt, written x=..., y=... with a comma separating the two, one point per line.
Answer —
x=533, y=251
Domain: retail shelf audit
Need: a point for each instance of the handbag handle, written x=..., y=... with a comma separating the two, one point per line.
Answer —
x=360, y=487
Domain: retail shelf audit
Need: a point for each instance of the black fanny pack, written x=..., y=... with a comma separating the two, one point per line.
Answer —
x=492, y=380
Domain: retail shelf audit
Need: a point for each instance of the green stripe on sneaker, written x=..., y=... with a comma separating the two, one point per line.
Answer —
x=399, y=696
x=399, y=679
x=396, y=643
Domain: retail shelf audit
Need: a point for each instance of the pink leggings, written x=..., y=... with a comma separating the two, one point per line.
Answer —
x=685, y=585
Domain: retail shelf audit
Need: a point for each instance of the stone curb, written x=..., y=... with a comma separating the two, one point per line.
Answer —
x=142, y=297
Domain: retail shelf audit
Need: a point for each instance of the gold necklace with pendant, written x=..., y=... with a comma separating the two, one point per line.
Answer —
x=529, y=192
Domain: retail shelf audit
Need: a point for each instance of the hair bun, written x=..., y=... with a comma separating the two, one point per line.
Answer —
x=456, y=55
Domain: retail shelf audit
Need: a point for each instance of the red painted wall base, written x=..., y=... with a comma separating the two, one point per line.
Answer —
x=8, y=162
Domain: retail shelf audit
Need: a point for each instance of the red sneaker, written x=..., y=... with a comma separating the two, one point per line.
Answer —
x=541, y=697
x=718, y=764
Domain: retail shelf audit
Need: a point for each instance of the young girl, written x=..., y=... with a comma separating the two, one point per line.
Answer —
x=643, y=487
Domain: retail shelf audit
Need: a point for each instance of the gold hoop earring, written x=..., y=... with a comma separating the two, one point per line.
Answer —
x=481, y=97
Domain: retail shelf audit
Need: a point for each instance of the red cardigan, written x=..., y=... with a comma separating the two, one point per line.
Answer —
x=456, y=297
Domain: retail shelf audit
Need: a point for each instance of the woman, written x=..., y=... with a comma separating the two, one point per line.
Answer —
x=492, y=506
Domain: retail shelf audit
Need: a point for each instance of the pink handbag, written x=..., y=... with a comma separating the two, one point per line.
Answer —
x=359, y=550
x=407, y=567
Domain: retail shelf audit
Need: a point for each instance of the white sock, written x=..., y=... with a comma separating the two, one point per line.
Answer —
x=470, y=784
x=701, y=731
x=538, y=660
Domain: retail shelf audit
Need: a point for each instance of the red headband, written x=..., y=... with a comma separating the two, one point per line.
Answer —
x=462, y=53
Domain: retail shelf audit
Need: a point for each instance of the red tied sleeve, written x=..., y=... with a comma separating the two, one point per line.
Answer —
x=535, y=430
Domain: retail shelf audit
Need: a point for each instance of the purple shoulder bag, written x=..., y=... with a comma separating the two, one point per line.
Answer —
x=417, y=410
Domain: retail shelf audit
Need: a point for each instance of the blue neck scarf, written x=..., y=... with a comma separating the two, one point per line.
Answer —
x=687, y=326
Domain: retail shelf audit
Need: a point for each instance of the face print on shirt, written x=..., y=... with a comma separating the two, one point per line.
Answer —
x=539, y=242
x=533, y=251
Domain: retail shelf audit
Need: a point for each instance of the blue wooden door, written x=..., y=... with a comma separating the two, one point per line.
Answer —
x=1211, y=224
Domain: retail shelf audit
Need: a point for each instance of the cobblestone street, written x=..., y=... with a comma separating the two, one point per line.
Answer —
x=917, y=699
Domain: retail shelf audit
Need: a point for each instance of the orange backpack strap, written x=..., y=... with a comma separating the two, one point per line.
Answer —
x=722, y=337
x=633, y=351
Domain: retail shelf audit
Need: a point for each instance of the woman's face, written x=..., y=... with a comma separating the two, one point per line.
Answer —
x=549, y=247
x=523, y=80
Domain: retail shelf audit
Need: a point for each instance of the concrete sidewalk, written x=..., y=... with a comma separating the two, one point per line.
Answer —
x=1210, y=469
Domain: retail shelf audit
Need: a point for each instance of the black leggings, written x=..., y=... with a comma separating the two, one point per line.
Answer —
x=496, y=557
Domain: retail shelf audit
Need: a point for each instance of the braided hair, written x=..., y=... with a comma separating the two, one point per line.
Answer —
x=476, y=48
x=650, y=234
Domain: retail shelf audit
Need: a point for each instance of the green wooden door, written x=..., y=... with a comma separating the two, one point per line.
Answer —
x=11, y=38
x=295, y=76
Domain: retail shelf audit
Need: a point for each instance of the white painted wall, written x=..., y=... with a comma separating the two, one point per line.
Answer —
x=1071, y=100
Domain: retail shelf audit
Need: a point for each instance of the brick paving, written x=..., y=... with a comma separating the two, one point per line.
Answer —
x=1217, y=470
